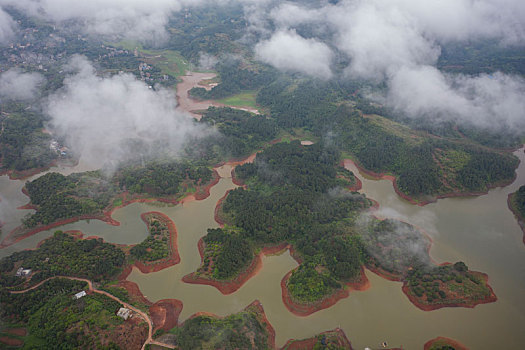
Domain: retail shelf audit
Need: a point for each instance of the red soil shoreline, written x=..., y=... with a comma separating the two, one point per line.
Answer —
x=8, y=240
x=174, y=257
x=11, y=341
x=231, y=286
x=21, y=332
x=454, y=343
x=165, y=314
x=216, y=215
x=426, y=307
x=490, y=299
x=383, y=176
x=327, y=302
x=269, y=328
x=517, y=215
x=358, y=186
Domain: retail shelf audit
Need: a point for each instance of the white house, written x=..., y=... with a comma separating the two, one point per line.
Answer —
x=80, y=294
x=124, y=313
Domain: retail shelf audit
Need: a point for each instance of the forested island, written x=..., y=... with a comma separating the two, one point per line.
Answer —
x=49, y=306
x=60, y=199
x=285, y=201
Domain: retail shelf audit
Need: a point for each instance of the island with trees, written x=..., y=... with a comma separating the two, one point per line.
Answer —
x=399, y=252
x=60, y=199
x=247, y=329
x=159, y=250
x=286, y=202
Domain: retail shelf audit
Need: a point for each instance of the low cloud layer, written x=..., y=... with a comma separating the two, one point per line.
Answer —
x=133, y=19
x=7, y=27
x=109, y=119
x=488, y=100
x=16, y=85
x=399, y=42
x=289, y=51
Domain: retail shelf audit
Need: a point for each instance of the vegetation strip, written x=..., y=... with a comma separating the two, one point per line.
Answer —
x=516, y=204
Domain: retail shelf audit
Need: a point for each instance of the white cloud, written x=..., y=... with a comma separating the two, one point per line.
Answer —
x=491, y=101
x=19, y=86
x=7, y=27
x=107, y=120
x=399, y=42
x=132, y=19
x=289, y=51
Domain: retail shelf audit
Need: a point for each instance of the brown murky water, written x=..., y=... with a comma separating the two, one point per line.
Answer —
x=480, y=231
x=189, y=81
x=186, y=103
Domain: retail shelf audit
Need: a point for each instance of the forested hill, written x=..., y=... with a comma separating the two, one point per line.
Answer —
x=425, y=164
x=23, y=145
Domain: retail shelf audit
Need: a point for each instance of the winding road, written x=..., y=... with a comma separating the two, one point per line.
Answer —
x=142, y=314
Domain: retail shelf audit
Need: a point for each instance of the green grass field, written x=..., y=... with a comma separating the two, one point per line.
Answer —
x=244, y=99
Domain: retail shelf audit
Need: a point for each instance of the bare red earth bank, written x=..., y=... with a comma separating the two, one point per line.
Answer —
x=21, y=332
x=164, y=313
x=445, y=341
x=11, y=341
